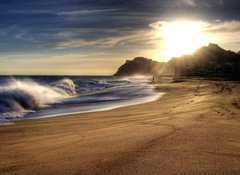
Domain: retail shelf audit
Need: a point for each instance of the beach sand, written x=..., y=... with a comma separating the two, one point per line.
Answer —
x=193, y=129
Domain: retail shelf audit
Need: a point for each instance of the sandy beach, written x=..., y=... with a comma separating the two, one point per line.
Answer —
x=193, y=129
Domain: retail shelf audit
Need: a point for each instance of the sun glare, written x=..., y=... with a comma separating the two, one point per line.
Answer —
x=182, y=37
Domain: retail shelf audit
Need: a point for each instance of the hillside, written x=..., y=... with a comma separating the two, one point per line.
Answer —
x=210, y=60
x=139, y=66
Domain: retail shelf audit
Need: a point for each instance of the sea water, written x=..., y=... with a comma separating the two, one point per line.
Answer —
x=30, y=97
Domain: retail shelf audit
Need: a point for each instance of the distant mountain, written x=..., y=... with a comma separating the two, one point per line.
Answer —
x=210, y=60
x=139, y=66
x=238, y=52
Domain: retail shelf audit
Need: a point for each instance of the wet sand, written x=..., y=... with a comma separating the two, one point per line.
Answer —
x=193, y=129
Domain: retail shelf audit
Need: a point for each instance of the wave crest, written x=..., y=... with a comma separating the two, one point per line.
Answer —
x=66, y=85
x=26, y=95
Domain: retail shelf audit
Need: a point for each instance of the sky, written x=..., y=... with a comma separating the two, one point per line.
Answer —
x=94, y=37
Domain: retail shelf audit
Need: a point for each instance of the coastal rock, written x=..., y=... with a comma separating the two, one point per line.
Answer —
x=139, y=66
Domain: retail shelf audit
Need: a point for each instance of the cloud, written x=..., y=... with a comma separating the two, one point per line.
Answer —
x=85, y=25
x=224, y=33
x=157, y=24
x=186, y=2
x=216, y=26
x=148, y=37
x=84, y=12
x=223, y=27
x=199, y=3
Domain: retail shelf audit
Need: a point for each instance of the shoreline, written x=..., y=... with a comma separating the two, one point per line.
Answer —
x=107, y=108
x=61, y=109
x=192, y=129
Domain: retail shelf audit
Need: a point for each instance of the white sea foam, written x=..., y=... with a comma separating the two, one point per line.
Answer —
x=27, y=95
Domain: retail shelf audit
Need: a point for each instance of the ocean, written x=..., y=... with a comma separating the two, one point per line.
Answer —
x=31, y=97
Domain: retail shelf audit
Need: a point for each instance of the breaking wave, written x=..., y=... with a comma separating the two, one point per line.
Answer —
x=27, y=95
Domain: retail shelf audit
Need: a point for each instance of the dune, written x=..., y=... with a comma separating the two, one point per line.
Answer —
x=192, y=129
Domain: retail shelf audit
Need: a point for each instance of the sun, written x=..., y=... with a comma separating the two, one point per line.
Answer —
x=182, y=37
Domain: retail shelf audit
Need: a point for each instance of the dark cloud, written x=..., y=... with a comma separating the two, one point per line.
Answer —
x=39, y=25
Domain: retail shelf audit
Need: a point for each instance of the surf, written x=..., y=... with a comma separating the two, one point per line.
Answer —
x=40, y=97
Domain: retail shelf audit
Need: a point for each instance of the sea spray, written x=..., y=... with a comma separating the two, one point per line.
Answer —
x=66, y=85
x=25, y=95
